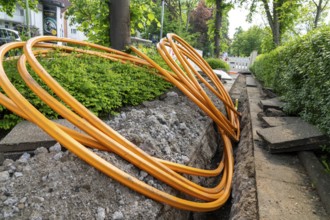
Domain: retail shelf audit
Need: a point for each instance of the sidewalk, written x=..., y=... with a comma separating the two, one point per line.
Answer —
x=284, y=190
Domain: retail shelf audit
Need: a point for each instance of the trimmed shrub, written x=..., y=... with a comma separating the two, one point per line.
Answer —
x=299, y=72
x=101, y=85
x=218, y=64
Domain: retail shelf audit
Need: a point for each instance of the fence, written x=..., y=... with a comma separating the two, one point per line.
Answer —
x=241, y=64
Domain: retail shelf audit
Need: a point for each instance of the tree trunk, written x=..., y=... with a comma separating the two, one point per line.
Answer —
x=318, y=13
x=119, y=24
x=273, y=21
x=189, y=8
x=218, y=23
x=180, y=11
x=276, y=25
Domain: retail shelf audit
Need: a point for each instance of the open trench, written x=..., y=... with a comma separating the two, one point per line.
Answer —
x=243, y=201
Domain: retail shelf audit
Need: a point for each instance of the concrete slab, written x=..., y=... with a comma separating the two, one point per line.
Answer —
x=272, y=112
x=271, y=103
x=250, y=81
x=279, y=121
x=292, y=137
x=26, y=136
x=223, y=74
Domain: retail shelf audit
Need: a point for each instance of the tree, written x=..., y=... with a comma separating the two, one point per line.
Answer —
x=320, y=7
x=280, y=15
x=247, y=41
x=190, y=4
x=199, y=17
x=119, y=16
x=93, y=17
x=220, y=15
x=218, y=23
x=9, y=6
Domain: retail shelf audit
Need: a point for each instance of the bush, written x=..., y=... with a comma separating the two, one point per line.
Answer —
x=218, y=64
x=299, y=72
x=101, y=85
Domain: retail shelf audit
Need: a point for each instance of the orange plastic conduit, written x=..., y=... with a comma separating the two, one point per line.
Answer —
x=151, y=166
x=100, y=136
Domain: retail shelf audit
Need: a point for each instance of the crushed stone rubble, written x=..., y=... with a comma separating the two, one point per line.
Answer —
x=55, y=184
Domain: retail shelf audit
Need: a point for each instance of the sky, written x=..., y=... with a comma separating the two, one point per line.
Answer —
x=237, y=17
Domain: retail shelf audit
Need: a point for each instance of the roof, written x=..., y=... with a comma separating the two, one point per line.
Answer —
x=66, y=4
x=57, y=3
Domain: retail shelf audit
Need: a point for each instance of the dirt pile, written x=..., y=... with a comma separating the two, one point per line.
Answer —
x=55, y=184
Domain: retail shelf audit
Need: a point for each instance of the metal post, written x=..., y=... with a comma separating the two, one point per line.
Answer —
x=162, y=21
x=27, y=18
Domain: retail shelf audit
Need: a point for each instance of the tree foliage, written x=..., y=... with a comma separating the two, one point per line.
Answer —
x=247, y=41
x=312, y=14
x=9, y=6
x=280, y=14
x=320, y=7
x=199, y=17
x=92, y=17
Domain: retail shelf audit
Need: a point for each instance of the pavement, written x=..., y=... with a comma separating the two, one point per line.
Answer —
x=284, y=188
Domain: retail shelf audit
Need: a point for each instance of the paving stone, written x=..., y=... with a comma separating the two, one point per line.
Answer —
x=223, y=74
x=271, y=103
x=278, y=121
x=293, y=137
x=272, y=112
x=26, y=136
x=250, y=81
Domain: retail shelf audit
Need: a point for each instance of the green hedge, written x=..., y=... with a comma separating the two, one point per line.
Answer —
x=218, y=64
x=99, y=84
x=300, y=73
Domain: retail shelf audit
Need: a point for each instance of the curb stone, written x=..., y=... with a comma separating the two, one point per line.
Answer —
x=320, y=179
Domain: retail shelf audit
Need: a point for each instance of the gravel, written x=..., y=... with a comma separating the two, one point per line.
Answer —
x=55, y=184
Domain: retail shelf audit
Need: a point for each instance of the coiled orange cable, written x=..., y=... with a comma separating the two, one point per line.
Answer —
x=99, y=135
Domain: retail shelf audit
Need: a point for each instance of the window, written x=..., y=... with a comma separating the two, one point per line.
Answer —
x=6, y=24
x=73, y=31
x=21, y=12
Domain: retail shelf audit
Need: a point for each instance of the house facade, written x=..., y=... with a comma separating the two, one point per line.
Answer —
x=49, y=19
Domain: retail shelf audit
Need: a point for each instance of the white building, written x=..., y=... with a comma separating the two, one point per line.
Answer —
x=49, y=19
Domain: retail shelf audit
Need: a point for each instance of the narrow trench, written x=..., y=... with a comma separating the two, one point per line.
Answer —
x=238, y=91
